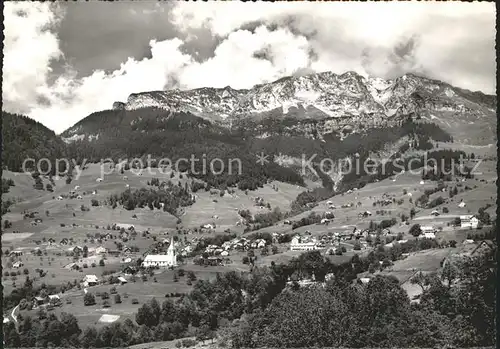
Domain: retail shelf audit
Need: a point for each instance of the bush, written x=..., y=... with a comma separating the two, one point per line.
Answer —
x=118, y=299
x=105, y=295
x=415, y=230
x=89, y=299
x=113, y=290
x=135, y=301
x=105, y=304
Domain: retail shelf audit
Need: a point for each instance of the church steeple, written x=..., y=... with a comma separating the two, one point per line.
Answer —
x=171, y=248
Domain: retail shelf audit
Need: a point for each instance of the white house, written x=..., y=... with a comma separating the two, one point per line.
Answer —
x=98, y=180
x=409, y=194
x=59, y=198
x=162, y=260
x=469, y=221
x=77, y=187
x=90, y=280
x=298, y=245
x=427, y=229
x=422, y=182
x=122, y=280
x=208, y=226
x=462, y=204
x=428, y=236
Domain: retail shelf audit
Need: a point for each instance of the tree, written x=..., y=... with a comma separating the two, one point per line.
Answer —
x=415, y=230
x=88, y=299
x=274, y=249
x=49, y=187
x=264, y=251
x=357, y=245
x=412, y=213
x=94, y=202
x=118, y=299
x=101, y=263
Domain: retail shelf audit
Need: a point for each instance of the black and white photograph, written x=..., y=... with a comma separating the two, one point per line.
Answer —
x=229, y=174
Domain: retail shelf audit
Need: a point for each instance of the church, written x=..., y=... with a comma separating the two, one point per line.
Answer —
x=162, y=260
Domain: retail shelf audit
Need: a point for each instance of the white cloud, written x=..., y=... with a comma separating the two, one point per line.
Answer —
x=383, y=39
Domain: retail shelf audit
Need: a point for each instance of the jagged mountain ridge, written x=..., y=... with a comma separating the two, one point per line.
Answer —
x=338, y=102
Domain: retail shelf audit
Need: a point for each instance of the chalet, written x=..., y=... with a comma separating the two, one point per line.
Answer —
x=208, y=226
x=15, y=253
x=77, y=249
x=462, y=204
x=64, y=241
x=98, y=180
x=90, y=280
x=122, y=280
x=94, y=192
x=325, y=221
x=435, y=213
x=364, y=280
x=77, y=187
x=59, y=198
x=17, y=264
x=427, y=236
x=224, y=253
x=469, y=221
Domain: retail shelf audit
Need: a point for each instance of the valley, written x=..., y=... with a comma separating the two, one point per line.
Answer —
x=74, y=239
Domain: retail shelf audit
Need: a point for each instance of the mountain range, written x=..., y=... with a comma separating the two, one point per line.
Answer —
x=334, y=116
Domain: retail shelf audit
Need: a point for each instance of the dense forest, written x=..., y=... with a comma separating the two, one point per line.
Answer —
x=24, y=138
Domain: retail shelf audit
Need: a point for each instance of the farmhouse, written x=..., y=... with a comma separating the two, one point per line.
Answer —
x=15, y=253
x=159, y=260
x=469, y=221
x=300, y=244
x=90, y=280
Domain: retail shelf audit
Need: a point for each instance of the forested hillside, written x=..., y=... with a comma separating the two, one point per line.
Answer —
x=24, y=138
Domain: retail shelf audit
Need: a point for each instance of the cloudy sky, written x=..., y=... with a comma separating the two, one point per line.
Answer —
x=64, y=61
